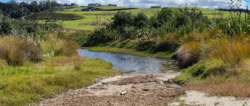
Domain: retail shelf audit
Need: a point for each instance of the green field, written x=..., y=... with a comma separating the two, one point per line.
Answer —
x=105, y=16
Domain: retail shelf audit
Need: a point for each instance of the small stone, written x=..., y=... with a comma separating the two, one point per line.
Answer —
x=133, y=87
x=216, y=103
x=145, y=89
x=123, y=93
x=175, y=104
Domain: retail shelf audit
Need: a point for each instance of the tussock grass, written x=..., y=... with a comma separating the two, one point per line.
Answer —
x=188, y=54
x=16, y=50
x=223, y=63
x=57, y=45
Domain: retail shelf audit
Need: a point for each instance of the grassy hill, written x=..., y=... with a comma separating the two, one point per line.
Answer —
x=99, y=18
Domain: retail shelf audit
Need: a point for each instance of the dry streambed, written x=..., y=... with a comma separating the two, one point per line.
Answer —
x=137, y=90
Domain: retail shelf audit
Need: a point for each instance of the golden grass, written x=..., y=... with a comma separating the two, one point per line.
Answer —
x=226, y=63
x=237, y=86
x=188, y=53
x=16, y=50
x=56, y=45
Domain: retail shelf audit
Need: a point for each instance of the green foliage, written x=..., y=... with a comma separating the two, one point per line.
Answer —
x=122, y=19
x=17, y=10
x=141, y=20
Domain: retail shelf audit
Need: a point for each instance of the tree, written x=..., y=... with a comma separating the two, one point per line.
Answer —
x=122, y=19
x=141, y=20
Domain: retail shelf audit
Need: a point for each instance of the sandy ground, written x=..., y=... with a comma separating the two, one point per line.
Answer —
x=132, y=90
x=201, y=99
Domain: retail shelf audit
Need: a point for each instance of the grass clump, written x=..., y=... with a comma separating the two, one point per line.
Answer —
x=16, y=50
x=188, y=54
x=57, y=45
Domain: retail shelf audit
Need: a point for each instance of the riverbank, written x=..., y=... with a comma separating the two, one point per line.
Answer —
x=35, y=81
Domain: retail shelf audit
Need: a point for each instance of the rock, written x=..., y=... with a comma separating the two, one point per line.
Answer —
x=175, y=104
x=145, y=89
x=123, y=93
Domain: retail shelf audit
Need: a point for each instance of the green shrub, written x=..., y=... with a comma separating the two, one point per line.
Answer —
x=141, y=20
x=122, y=19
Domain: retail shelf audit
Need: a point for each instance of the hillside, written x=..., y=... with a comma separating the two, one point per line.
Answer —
x=100, y=18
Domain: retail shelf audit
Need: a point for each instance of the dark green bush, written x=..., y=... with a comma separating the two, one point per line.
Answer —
x=122, y=19
x=141, y=20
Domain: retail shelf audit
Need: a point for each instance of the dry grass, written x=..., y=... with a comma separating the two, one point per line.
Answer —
x=56, y=45
x=188, y=54
x=237, y=86
x=16, y=50
x=226, y=63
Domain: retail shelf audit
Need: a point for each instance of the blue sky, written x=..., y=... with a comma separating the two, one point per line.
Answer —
x=148, y=3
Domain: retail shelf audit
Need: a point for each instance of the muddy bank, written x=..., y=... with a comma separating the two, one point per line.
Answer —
x=138, y=90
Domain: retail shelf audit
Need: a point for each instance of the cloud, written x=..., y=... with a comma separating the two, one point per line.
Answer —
x=163, y=3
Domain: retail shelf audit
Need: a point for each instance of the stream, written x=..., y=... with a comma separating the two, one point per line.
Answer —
x=132, y=64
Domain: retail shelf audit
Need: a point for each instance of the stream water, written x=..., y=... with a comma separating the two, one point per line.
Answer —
x=132, y=64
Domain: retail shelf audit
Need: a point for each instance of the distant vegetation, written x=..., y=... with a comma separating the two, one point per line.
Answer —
x=54, y=16
x=18, y=10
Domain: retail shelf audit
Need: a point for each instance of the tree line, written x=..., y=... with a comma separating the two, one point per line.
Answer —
x=15, y=9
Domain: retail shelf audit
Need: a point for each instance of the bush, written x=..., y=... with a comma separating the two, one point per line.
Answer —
x=122, y=19
x=141, y=20
x=16, y=50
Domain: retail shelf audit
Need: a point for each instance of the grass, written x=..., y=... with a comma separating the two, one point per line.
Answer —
x=112, y=7
x=34, y=81
x=57, y=45
x=237, y=86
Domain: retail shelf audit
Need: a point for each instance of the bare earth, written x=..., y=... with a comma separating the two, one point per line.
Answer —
x=138, y=90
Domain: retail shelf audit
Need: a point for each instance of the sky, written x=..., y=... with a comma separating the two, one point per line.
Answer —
x=148, y=3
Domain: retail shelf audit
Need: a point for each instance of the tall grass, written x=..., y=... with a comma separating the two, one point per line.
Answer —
x=56, y=45
x=16, y=50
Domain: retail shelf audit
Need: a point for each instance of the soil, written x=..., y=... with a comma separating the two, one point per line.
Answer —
x=133, y=90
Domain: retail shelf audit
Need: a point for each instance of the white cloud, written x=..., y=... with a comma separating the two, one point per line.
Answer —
x=163, y=3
